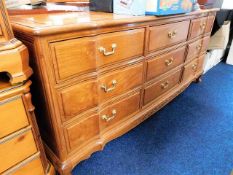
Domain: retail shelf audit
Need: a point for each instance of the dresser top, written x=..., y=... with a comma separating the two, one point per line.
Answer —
x=53, y=23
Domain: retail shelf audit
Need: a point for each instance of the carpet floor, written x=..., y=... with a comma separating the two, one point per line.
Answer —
x=192, y=135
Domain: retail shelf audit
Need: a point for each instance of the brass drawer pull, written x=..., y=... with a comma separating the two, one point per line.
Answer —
x=106, y=89
x=103, y=50
x=165, y=85
x=169, y=62
x=194, y=67
x=109, y=118
x=172, y=34
x=199, y=47
x=202, y=26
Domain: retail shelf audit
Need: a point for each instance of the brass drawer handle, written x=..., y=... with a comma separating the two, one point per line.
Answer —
x=165, y=85
x=106, y=89
x=172, y=34
x=109, y=118
x=202, y=26
x=103, y=50
x=169, y=62
x=194, y=67
x=199, y=47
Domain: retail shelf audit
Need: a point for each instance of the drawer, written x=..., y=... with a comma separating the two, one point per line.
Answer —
x=167, y=35
x=1, y=33
x=78, y=56
x=79, y=98
x=205, y=44
x=118, y=46
x=119, y=111
x=194, y=50
x=200, y=64
x=210, y=23
x=197, y=27
x=11, y=122
x=73, y=57
x=157, y=89
x=164, y=63
x=190, y=70
x=120, y=81
x=34, y=167
x=83, y=131
x=16, y=149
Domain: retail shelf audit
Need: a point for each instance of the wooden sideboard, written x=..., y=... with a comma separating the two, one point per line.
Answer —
x=98, y=75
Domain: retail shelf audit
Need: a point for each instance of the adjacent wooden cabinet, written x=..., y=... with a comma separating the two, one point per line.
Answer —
x=98, y=75
x=21, y=149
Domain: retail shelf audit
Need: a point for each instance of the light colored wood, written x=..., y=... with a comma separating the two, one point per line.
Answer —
x=103, y=96
x=210, y=24
x=17, y=149
x=81, y=97
x=190, y=70
x=157, y=89
x=159, y=35
x=13, y=116
x=205, y=43
x=34, y=167
x=198, y=27
x=163, y=63
x=130, y=44
x=127, y=79
x=82, y=132
x=194, y=50
x=88, y=57
x=124, y=108
x=200, y=63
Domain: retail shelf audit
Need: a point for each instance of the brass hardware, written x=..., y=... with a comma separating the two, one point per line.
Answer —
x=203, y=26
x=169, y=61
x=199, y=47
x=109, y=118
x=194, y=67
x=106, y=89
x=103, y=50
x=165, y=85
x=172, y=34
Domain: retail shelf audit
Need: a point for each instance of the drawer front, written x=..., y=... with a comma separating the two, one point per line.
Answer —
x=200, y=63
x=74, y=57
x=198, y=27
x=15, y=150
x=210, y=23
x=79, y=56
x=121, y=81
x=120, y=46
x=1, y=33
x=161, y=64
x=9, y=121
x=34, y=167
x=194, y=50
x=119, y=111
x=205, y=43
x=82, y=132
x=190, y=71
x=167, y=35
x=79, y=98
x=155, y=90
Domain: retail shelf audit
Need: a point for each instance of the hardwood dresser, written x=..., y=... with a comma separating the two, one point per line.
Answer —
x=98, y=75
x=21, y=148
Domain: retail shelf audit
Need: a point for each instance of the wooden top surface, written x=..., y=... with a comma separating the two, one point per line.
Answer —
x=44, y=24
